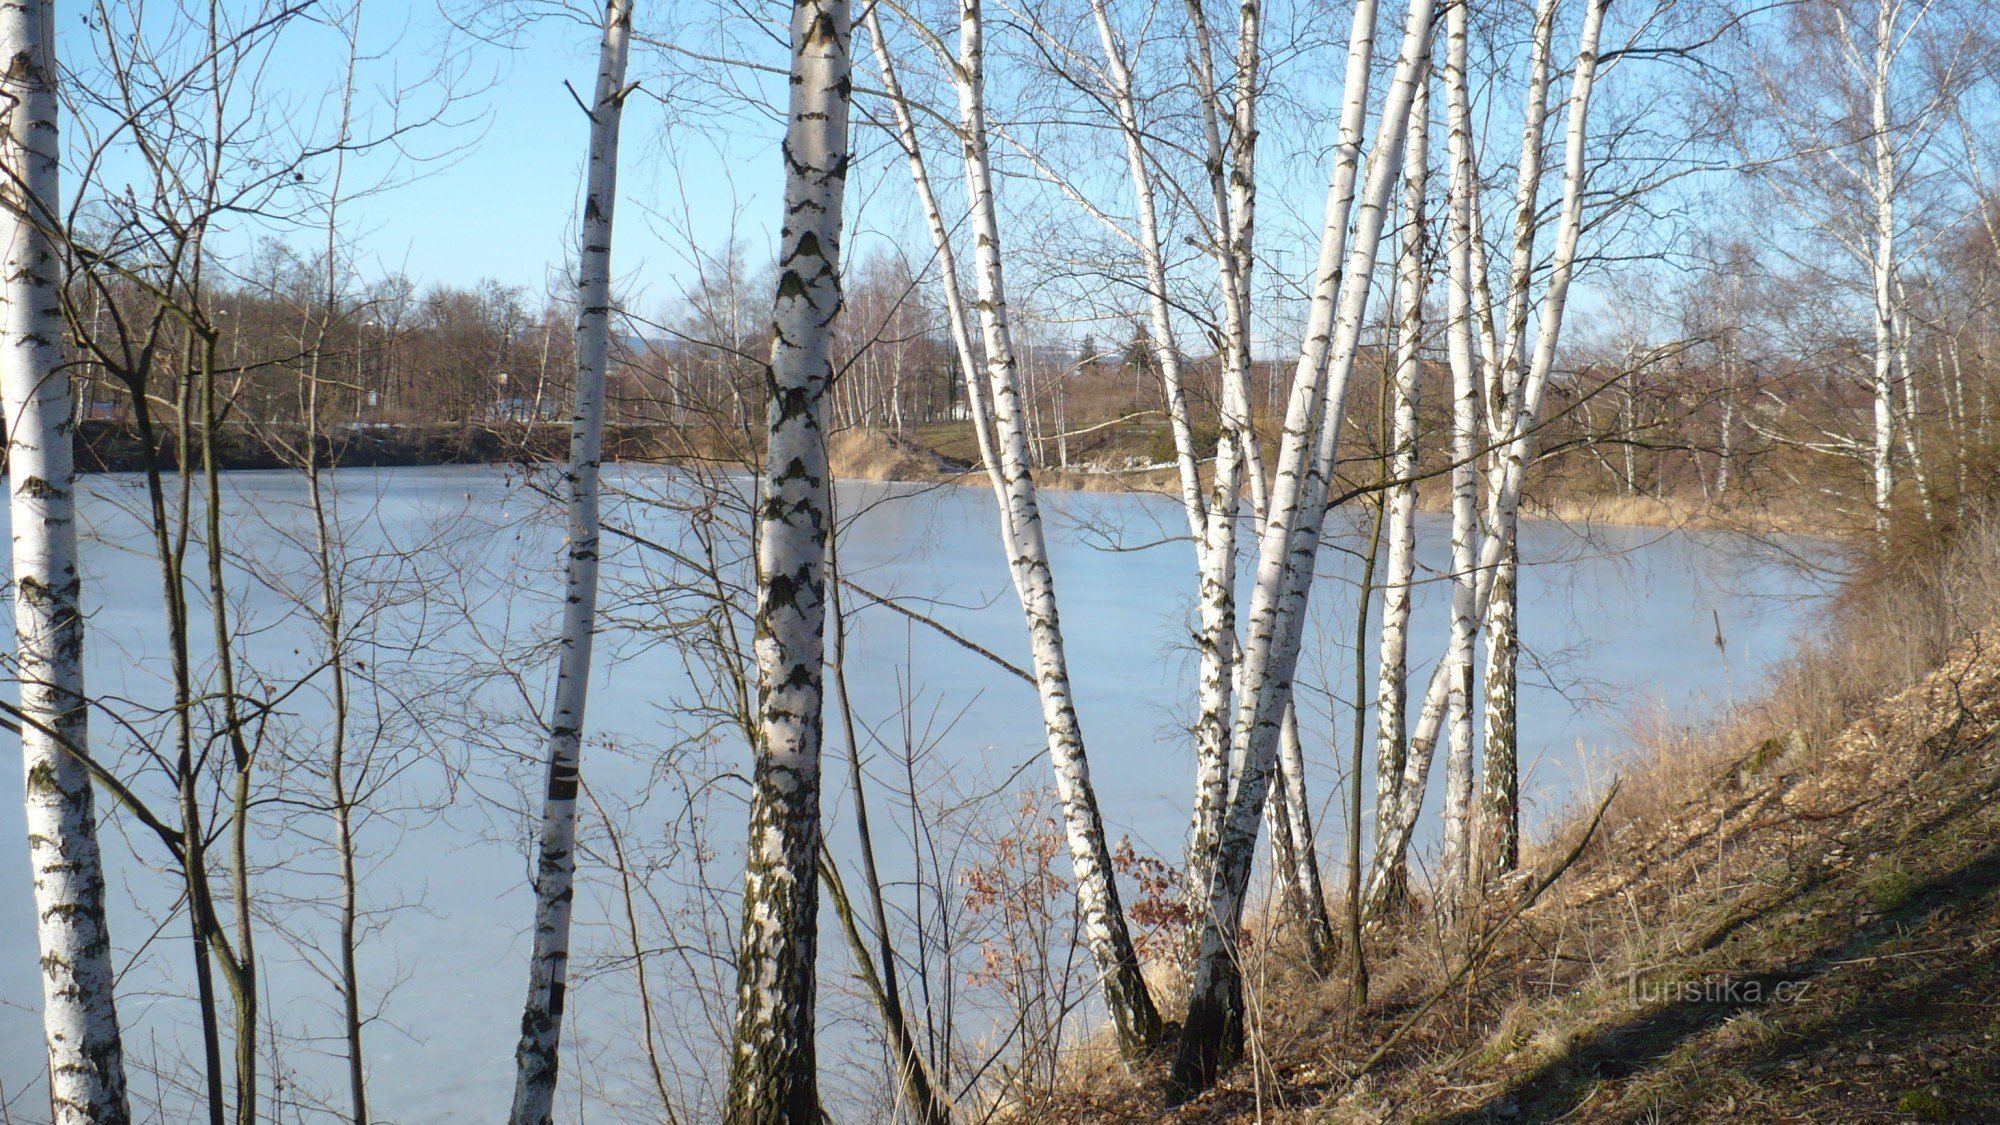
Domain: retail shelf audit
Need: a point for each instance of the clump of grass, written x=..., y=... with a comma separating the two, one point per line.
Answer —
x=866, y=454
x=1925, y=1106
x=1889, y=886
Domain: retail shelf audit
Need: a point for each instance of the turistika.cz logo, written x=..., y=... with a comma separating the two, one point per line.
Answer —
x=1716, y=988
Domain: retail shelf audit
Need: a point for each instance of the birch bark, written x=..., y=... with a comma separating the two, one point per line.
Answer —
x=1465, y=379
x=1214, y=557
x=1212, y=1032
x=1232, y=190
x=1883, y=267
x=772, y=1075
x=1136, y=1022
x=1524, y=407
x=79, y=1014
x=1400, y=519
x=1499, y=814
x=537, y=1057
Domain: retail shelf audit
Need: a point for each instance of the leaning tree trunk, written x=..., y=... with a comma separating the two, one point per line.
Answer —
x=1136, y=1021
x=772, y=1065
x=537, y=1057
x=1213, y=1031
x=79, y=1017
x=957, y=319
x=1300, y=420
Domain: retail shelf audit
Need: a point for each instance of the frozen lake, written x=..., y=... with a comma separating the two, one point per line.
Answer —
x=454, y=575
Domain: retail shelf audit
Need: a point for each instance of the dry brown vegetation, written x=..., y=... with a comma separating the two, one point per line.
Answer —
x=1785, y=914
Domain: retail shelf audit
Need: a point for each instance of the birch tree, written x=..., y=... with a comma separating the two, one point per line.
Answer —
x=772, y=1065
x=1400, y=511
x=998, y=400
x=537, y=1057
x=1289, y=549
x=1853, y=125
x=1499, y=807
x=1233, y=201
x=79, y=1014
x=1130, y=1002
x=1465, y=439
x=1523, y=406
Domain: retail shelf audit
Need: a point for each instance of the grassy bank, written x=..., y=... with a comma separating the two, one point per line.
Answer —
x=1790, y=912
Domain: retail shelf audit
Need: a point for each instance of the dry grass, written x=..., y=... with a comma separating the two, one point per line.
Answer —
x=1835, y=835
x=859, y=454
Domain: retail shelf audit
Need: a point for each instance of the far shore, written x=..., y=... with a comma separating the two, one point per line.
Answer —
x=854, y=454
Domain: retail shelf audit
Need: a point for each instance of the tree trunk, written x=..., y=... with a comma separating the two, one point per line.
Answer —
x=538, y=1056
x=1883, y=270
x=1136, y=1021
x=1523, y=408
x=1465, y=434
x=1232, y=190
x=772, y=1066
x=79, y=1015
x=1212, y=1033
x=1400, y=518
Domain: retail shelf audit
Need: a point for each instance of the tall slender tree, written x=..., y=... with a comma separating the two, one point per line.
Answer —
x=537, y=1057
x=773, y=1062
x=1400, y=506
x=1499, y=831
x=1002, y=427
x=79, y=1015
x=1465, y=383
x=1239, y=461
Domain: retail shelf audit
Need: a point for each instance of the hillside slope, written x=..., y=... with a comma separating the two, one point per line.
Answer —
x=1781, y=932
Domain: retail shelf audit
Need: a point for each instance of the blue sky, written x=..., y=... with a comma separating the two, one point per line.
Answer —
x=699, y=162
x=502, y=205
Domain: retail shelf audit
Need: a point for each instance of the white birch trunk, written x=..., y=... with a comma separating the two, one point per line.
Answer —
x=1400, y=519
x=1499, y=817
x=1906, y=374
x=1233, y=201
x=772, y=1074
x=1454, y=864
x=1883, y=269
x=1212, y=1032
x=1524, y=408
x=79, y=1016
x=1153, y=262
x=537, y=1058
x=1136, y=1021
x=1457, y=663
x=1500, y=780
x=1303, y=874
x=957, y=319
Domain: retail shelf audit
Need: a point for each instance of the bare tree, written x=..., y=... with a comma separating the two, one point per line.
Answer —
x=537, y=1057
x=1212, y=1032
